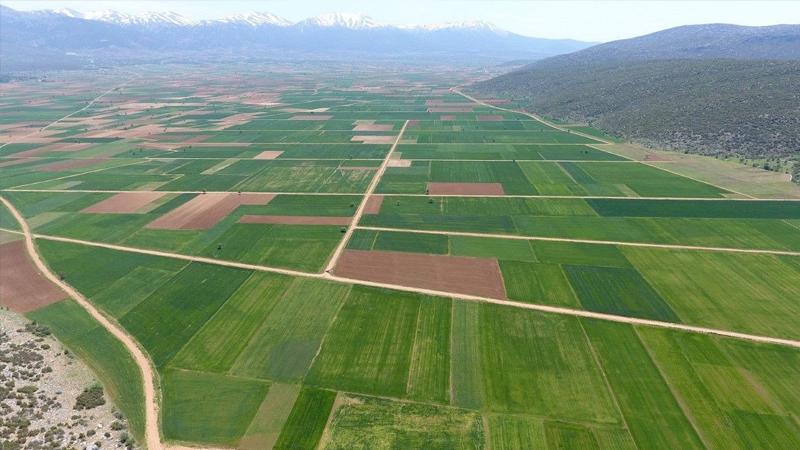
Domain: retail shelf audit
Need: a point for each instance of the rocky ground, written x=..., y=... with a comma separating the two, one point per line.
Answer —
x=49, y=399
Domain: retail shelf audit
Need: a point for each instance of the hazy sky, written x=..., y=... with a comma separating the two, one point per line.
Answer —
x=585, y=20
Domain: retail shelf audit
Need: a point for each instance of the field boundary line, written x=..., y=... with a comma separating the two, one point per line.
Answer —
x=532, y=116
x=651, y=164
x=64, y=177
x=376, y=178
x=151, y=431
x=453, y=295
x=560, y=197
x=586, y=241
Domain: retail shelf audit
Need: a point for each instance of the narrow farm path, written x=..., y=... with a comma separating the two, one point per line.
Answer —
x=151, y=433
x=360, y=211
x=464, y=297
x=588, y=241
x=560, y=197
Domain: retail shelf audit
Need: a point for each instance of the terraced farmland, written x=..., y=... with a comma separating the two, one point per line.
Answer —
x=338, y=259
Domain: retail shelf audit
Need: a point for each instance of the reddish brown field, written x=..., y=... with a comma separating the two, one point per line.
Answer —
x=269, y=154
x=22, y=287
x=205, y=210
x=70, y=164
x=124, y=203
x=373, y=205
x=296, y=220
x=473, y=276
x=399, y=163
x=447, y=118
x=465, y=189
x=372, y=127
x=490, y=118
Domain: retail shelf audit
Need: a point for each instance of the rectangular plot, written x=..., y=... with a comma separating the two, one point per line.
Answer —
x=537, y=283
x=729, y=209
x=219, y=342
x=209, y=408
x=473, y=276
x=516, y=432
x=720, y=395
x=466, y=389
x=503, y=249
x=618, y=291
x=273, y=413
x=651, y=412
x=285, y=344
x=363, y=422
x=436, y=244
x=528, y=355
x=168, y=318
x=307, y=420
x=357, y=356
x=748, y=293
x=429, y=376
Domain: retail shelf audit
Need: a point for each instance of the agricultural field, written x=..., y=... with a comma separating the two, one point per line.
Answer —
x=345, y=258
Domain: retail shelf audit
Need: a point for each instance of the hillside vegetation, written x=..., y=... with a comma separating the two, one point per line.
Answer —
x=717, y=99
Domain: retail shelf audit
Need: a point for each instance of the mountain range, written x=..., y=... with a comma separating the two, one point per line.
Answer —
x=66, y=38
x=717, y=89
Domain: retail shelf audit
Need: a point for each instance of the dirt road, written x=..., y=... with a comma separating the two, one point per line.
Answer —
x=474, y=298
x=151, y=433
x=360, y=211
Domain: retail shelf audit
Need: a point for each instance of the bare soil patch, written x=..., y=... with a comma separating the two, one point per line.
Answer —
x=22, y=287
x=269, y=154
x=465, y=189
x=124, y=203
x=472, y=276
x=296, y=220
x=447, y=118
x=490, y=118
x=399, y=163
x=372, y=127
x=206, y=210
x=373, y=205
x=13, y=162
x=70, y=164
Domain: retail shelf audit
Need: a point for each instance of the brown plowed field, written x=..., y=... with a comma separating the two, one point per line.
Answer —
x=124, y=203
x=205, y=210
x=22, y=287
x=472, y=276
x=373, y=205
x=372, y=127
x=269, y=154
x=70, y=164
x=447, y=118
x=465, y=189
x=296, y=220
x=373, y=139
x=490, y=118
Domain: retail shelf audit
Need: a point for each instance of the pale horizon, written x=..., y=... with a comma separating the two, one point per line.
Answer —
x=547, y=19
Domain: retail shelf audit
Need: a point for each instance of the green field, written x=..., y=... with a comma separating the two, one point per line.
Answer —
x=250, y=355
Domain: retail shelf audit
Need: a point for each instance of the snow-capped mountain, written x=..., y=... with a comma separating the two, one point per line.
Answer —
x=109, y=37
x=254, y=19
x=341, y=20
x=120, y=18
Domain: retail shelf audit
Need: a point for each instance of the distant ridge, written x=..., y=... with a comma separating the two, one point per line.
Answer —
x=715, y=89
x=74, y=39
